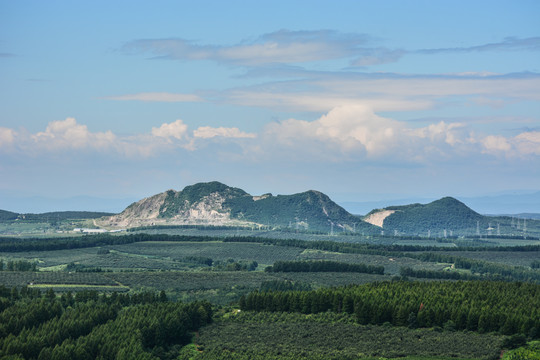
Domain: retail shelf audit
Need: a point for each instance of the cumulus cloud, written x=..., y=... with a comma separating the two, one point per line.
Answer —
x=495, y=144
x=355, y=132
x=175, y=130
x=6, y=137
x=206, y=132
x=528, y=143
x=68, y=134
x=157, y=97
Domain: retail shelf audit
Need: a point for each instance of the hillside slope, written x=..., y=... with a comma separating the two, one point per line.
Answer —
x=214, y=203
x=446, y=217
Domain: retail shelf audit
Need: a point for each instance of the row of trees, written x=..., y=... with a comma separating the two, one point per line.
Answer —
x=17, y=265
x=483, y=306
x=502, y=271
x=434, y=274
x=92, y=326
x=323, y=266
x=9, y=244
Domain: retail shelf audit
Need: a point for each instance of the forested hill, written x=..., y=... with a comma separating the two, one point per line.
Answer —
x=450, y=217
x=8, y=215
x=310, y=210
x=214, y=203
x=51, y=216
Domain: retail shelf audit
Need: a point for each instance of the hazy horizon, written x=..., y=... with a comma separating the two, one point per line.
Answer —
x=516, y=202
x=365, y=101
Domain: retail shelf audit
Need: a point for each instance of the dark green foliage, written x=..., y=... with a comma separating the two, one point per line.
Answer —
x=515, y=341
x=449, y=216
x=446, y=213
x=284, y=285
x=8, y=215
x=310, y=210
x=90, y=326
x=232, y=265
x=323, y=266
x=485, y=306
x=431, y=274
x=535, y=264
x=497, y=271
x=199, y=260
x=17, y=265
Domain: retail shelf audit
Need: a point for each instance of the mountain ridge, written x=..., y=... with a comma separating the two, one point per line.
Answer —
x=214, y=203
x=446, y=217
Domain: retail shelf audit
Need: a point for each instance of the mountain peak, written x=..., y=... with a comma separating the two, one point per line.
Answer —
x=215, y=203
x=446, y=213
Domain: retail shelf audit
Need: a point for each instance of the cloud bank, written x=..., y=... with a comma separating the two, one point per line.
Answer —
x=346, y=133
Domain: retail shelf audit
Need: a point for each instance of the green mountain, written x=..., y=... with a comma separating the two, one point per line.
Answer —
x=214, y=203
x=8, y=215
x=52, y=216
x=446, y=217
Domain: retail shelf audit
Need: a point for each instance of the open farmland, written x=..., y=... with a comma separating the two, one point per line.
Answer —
x=227, y=286
x=208, y=268
x=216, y=250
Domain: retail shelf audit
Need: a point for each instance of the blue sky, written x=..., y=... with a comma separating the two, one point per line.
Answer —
x=363, y=100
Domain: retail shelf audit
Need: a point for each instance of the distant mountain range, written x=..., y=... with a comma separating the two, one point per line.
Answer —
x=214, y=203
x=52, y=216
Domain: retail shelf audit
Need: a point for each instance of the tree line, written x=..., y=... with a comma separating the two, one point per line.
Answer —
x=10, y=244
x=17, y=265
x=323, y=266
x=483, y=306
x=35, y=325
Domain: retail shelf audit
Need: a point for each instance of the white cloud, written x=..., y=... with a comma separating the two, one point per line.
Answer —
x=206, y=132
x=280, y=47
x=528, y=143
x=67, y=134
x=7, y=137
x=157, y=97
x=352, y=132
x=495, y=144
x=176, y=130
x=385, y=92
x=356, y=133
x=440, y=132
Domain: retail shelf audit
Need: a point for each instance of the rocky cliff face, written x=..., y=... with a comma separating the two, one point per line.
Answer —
x=214, y=203
x=197, y=204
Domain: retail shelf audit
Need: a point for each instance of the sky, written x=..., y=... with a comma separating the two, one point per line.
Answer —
x=362, y=100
